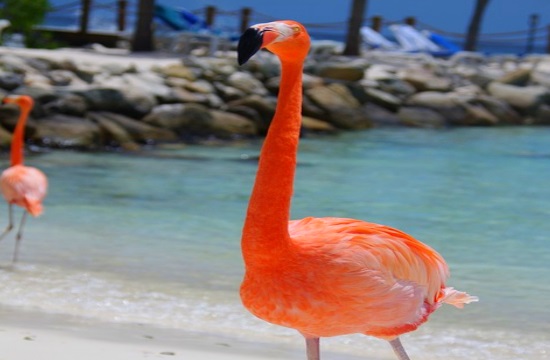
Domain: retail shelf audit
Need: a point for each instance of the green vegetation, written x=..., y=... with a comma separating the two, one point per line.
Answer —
x=23, y=15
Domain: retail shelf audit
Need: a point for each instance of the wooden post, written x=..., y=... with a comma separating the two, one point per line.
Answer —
x=122, y=14
x=410, y=20
x=533, y=22
x=245, y=18
x=210, y=15
x=377, y=23
x=353, y=37
x=85, y=16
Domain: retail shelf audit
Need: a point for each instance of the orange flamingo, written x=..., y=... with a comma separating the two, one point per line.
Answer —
x=21, y=185
x=326, y=276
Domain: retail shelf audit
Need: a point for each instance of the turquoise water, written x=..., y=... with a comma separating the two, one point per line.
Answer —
x=154, y=238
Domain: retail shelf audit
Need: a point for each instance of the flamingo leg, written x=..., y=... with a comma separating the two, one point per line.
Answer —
x=312, y=348
x=398, y=349
x=18, y=238
x=10, y=222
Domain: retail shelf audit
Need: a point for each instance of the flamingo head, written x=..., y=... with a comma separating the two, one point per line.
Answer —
x=24, y=101
x=287, y=39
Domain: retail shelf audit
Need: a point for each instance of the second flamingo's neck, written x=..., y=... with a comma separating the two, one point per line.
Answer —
x=18, y=138
x=266, y=226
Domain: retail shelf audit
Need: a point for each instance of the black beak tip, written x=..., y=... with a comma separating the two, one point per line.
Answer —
x=249, y=44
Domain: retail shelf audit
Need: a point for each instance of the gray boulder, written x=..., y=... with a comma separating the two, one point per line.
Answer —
x=63, y=131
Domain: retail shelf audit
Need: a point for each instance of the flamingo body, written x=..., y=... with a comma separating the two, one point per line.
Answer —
x=342, y=276
x=24, y=186
x=325, y=276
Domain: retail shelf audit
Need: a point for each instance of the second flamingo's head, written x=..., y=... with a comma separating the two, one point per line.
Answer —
x=24, y=101
x=287, y=39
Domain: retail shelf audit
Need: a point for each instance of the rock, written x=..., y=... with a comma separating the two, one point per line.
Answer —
x=340, y=71
x=310, y=81
x=396, y=87
x=383, y=99
x=68, y=104
x=104, y=99
x=227, y=125
x=478, y=116
x=113, y=134
x=332, y=96
x=186, y=96
x=540, y=75
x=381, y=72
x=505, y=114
x=17, y=65
x=381, y=117
x=342, y=108
x=11, y=81
x=229, y=93
x=190, y=120
x=316, y=125
x=178, y=71
x=5, y=138
x=61, y=77
x=524, y=98
x=177, y=117
x=63, y=131
x=246, y=83
x=139, y=102
x=200, y=86
x=310, y=109
x=435, y=99
x=542, y=116
x=115, y=101
x=519, y=77
x=349, y=119
x=423, y=80
x=449, y=105
x=420, y=117
x=147, y=82
x=264, y=106
x=247, y=112
x=116, y=68
x=139, y=131
x=37, y=80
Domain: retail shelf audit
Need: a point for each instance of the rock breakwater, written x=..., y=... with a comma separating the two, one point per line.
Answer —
x=95, y=102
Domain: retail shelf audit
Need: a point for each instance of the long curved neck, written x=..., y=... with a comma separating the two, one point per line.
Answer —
x=18, y=138
x=266, y=226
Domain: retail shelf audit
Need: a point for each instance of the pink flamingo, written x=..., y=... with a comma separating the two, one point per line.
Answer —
x=21, y=185
x=326, y=276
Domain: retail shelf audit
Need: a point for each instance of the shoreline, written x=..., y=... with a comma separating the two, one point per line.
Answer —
x=29, y=335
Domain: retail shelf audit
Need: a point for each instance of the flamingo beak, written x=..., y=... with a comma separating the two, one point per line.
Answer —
x=252, y=40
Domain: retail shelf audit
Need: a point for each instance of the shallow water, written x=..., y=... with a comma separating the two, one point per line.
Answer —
x=155, y=238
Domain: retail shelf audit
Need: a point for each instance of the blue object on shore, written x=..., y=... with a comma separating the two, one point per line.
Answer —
x=179, y=19
x=444, y=42
x=414, y=41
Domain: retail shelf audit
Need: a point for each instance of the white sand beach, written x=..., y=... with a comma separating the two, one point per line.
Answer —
x=26, y=336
